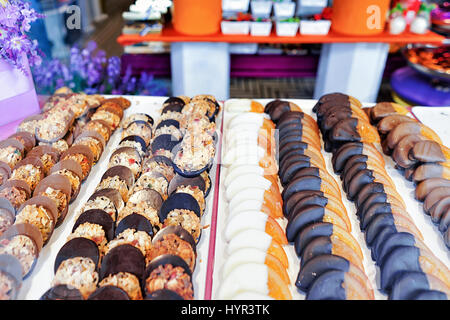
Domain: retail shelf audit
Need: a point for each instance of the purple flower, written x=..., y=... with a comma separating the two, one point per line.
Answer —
x=9, y=14
x=89, y=70
x=91, y=46
x=18, y=43
x=113, y=70
x=16, y=17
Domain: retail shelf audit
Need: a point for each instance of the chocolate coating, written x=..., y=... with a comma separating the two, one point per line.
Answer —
x=316, y=247
x=345, y=130
x=340, y=157
x=290, y=171
x=305, y=216
x=427, y=151
x=382, y=110
x=301, y=184
x=296, y=197
x=328, y=286
x=400, y=259
x=439, y=210
x=401, y=153
x=108, y=293
x=123, y=258
x=316, y=267
x=309, y=233
x=77, y=247
x=178, y=200
x=392, y=241
x=426, y=186
x=62, y=292
x=309, y=201
x=407, y=284
x=374, y=210
x=428, y=171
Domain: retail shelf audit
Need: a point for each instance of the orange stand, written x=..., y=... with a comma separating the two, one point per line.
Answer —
x=197, y=17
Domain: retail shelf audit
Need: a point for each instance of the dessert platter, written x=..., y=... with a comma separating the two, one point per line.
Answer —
x=134, y=213
x=131, y=198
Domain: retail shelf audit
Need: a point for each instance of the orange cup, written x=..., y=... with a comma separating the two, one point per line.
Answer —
x=359, y=17
x=197, y=17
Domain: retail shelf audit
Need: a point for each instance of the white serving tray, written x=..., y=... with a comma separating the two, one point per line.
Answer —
x=40, y=280
x=437, y=118
x=211, y=248
x=432, y=237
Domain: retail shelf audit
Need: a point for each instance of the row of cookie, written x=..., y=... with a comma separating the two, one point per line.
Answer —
x=75, y=162
x=53, y=180
x=79, y=109
x=395, y=242
x=110, y=241
x=182, y=118
x=183, y=207
x=186, y=133
x=419, y=153
x=256, y=263
x=138, y=218
x=99, y=229
x=331, y=260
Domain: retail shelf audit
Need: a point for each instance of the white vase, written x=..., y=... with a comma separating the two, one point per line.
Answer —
x=18, y=98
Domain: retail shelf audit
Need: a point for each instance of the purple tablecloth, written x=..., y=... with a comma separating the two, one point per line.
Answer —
x=419, y=89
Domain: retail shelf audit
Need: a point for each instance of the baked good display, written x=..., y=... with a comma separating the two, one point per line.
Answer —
x=318, y=224
x=135, y=239
x=279, y=225
x=419, y=154
x=396, y=243
x=47, y=166
x=255, y=259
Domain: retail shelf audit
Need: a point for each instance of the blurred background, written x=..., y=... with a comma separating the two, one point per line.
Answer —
x=293, y=66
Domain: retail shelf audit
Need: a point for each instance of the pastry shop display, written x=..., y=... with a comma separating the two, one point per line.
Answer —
x=395, y=242
x=169, y=198
x=419, y=154
x=255, y=260
x=331, y=264
x=47, y=167
x=134, y=239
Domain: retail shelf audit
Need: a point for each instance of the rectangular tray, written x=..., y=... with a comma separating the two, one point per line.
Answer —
x=40, y=280
x=432, y=236
x=211, y=247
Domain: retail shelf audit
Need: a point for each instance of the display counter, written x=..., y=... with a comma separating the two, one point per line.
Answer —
x=209, y=278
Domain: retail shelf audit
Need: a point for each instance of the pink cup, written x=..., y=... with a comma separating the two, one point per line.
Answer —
x=18, y=98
